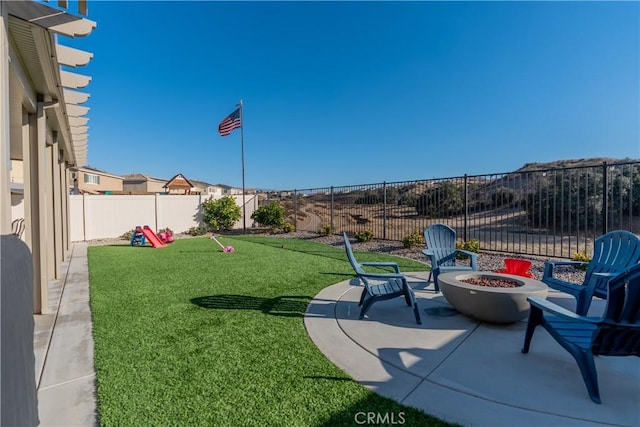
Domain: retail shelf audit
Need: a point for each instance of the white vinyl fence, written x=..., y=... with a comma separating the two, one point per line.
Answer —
x=106, y=216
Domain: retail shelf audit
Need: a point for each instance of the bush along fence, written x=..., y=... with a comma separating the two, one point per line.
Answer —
x=545, y=212
x=108, y=216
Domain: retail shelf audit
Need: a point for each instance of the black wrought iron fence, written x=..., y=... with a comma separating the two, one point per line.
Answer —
x=546, y=212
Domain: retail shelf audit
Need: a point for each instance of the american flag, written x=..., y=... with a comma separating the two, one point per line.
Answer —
x=229, y=123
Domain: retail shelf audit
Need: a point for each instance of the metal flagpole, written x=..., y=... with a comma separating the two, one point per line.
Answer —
x=244, y=204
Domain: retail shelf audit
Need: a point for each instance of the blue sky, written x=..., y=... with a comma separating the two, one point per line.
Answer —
x=345, y=93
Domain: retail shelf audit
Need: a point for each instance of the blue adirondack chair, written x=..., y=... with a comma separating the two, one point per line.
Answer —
x=395, y=284
x=613, y=253
x=616, y=333
x=441, y=251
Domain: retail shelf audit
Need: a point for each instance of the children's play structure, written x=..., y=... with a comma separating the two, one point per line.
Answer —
x=166, y=236
x=224, y=248
x=141, y=235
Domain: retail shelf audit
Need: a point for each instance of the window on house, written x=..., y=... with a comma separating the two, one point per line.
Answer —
x=91, y=179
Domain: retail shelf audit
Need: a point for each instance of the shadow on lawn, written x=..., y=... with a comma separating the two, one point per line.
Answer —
x=284, y=305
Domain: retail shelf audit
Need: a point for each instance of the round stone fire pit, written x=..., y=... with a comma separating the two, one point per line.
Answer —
x=495, y=304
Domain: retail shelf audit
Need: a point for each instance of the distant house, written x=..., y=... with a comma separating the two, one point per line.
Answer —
x=228, y=190
x=179, y=184
x=138, y=183
x=214, y=191
x=88, y=180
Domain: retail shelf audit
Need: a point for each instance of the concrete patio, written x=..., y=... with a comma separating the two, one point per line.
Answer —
x=465, y=371
x=63, y=347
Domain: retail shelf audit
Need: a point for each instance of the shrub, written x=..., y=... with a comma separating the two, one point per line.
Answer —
x=503, y=196
x=197, y=231
x=445, y=198
x=414, y=239
x=575, y=197
x=364, y=235
x=288, y=227
x=164, y=230
x=407, y=199
x=127, y=235
x=564, y=199
x=470, y=245
x=369, y=197
x=271, y=215
x=326, y=230
x=582, y=257
x=221, y=213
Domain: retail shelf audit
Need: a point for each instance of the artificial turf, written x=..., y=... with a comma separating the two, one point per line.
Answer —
x=189, y=335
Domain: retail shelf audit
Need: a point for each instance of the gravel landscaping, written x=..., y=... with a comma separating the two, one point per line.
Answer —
x=486, y=261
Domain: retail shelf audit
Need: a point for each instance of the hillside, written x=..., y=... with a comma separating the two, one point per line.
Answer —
x=530, y=167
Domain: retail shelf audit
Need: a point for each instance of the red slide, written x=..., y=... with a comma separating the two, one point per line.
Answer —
x=152, y=237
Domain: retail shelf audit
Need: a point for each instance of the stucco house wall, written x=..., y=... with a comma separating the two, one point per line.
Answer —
x=95, y=181
x=142, y=184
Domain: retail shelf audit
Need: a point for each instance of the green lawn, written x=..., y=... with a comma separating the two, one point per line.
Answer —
x=188, y=335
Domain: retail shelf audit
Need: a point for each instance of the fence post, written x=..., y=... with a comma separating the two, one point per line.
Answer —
x=466, y=208
x=295, y=210
x=333, y=230
x=84, y=218
x=605, y=199
x=156, y=213
x=384, y=210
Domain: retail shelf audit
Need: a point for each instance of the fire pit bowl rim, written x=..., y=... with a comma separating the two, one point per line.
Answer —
x=490, y=304
x=521, y=281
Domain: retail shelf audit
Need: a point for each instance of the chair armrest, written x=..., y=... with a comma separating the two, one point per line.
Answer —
x=554, y=263
x=383, y=276
x=429, y=254
x=472, y=255
x=467, y=253
x=603, y=275
x=393, y=265
x=550, y=265
x=549, y=307
x=432, y=257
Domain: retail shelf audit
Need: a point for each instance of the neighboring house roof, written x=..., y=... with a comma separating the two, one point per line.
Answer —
x=141, y=177
x=206, y=185
x=96, y=171
x=134, y=176
x=178, y=182
x=203, y=184
x=226, y=187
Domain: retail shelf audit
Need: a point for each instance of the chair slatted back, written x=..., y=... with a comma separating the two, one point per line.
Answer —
x=352, y=259
x=612, y=253
x=441, y=240
x=17, y=227
x=619, y=333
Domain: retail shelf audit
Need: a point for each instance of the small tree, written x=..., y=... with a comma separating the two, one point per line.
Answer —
x=271, y=215
x=221, y=213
